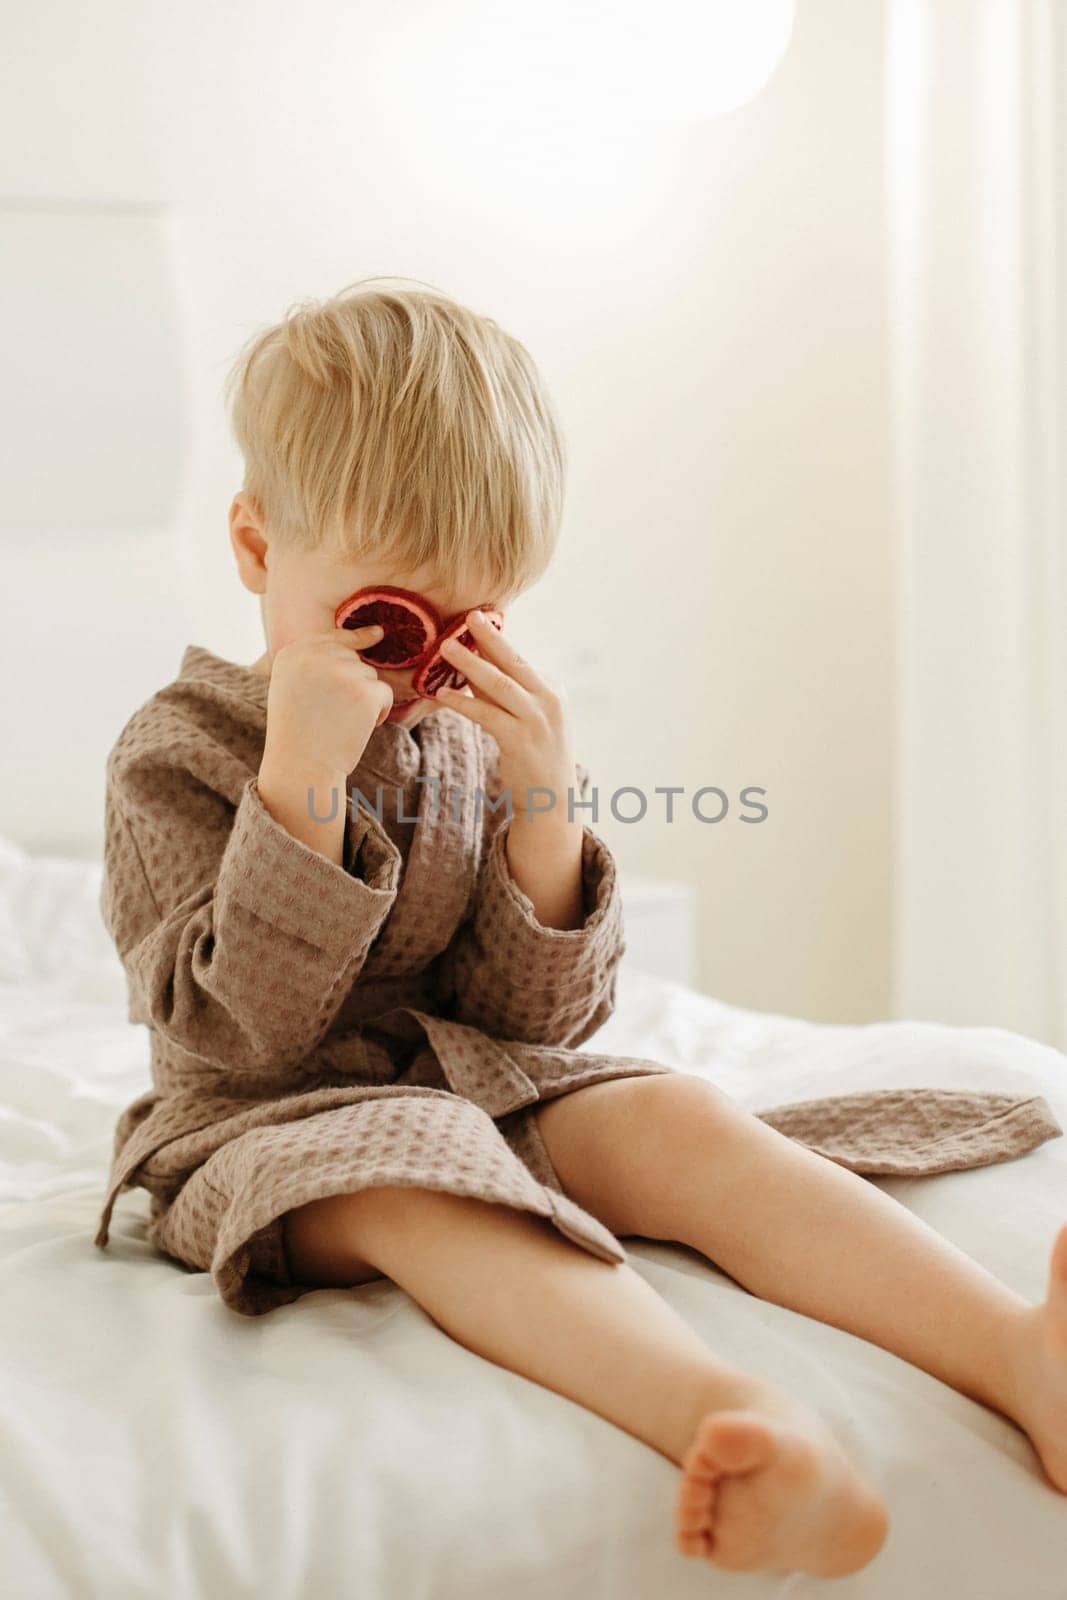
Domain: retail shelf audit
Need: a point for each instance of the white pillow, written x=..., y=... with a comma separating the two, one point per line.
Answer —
x=50, y=922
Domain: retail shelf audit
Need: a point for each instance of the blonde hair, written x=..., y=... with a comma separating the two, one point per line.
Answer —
x=394, y=422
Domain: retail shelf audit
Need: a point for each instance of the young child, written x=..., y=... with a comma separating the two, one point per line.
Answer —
x=364, y=1029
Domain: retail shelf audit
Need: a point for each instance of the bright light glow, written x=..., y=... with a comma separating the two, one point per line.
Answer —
x=692, y=59
x=565, y=97
x=672, y=63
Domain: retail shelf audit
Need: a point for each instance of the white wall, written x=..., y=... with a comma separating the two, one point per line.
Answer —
x=719, y=360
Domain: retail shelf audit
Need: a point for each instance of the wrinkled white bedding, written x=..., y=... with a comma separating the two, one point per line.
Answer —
x=154, y=1443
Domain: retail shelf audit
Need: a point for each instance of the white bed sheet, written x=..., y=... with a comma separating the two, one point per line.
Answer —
x=154, y=1443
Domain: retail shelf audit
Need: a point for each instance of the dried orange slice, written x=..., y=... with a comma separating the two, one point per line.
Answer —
x=410, y=622
x=437, y=672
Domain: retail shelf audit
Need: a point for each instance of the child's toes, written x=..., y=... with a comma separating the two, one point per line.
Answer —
x=762, y=1493
x=695, y=1509
x=733, y=1444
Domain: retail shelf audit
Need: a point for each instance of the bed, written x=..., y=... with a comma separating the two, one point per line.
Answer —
x=155, y=1443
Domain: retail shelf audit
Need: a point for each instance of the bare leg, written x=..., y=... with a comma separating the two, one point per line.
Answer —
x=507, y=1285
x=674, y=1158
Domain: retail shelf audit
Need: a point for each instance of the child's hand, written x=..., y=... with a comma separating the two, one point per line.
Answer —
x=525, y=713
x=323, y=705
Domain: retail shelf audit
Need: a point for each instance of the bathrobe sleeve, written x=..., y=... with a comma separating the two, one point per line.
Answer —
x=239, y=941
x=516, y=979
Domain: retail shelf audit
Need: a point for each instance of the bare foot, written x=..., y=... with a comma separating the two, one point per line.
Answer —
x=769, y=1489
x=1041, y=1371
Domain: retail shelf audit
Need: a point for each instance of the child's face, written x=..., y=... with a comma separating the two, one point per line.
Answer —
x=303, y=592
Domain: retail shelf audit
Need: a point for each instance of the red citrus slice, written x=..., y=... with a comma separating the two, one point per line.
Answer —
x=411, y=624
x=437, y=672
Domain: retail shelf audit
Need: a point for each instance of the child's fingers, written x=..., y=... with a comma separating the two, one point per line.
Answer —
x=492, y=644
x=488, y=715
x=360, y=637
x=484, y=675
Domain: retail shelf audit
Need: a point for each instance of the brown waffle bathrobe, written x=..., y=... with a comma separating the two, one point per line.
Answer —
x=318, y=1029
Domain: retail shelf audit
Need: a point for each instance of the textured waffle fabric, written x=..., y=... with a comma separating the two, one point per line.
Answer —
x=318, y=1028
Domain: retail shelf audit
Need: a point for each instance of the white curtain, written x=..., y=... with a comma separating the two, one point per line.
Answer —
x=976, y=111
